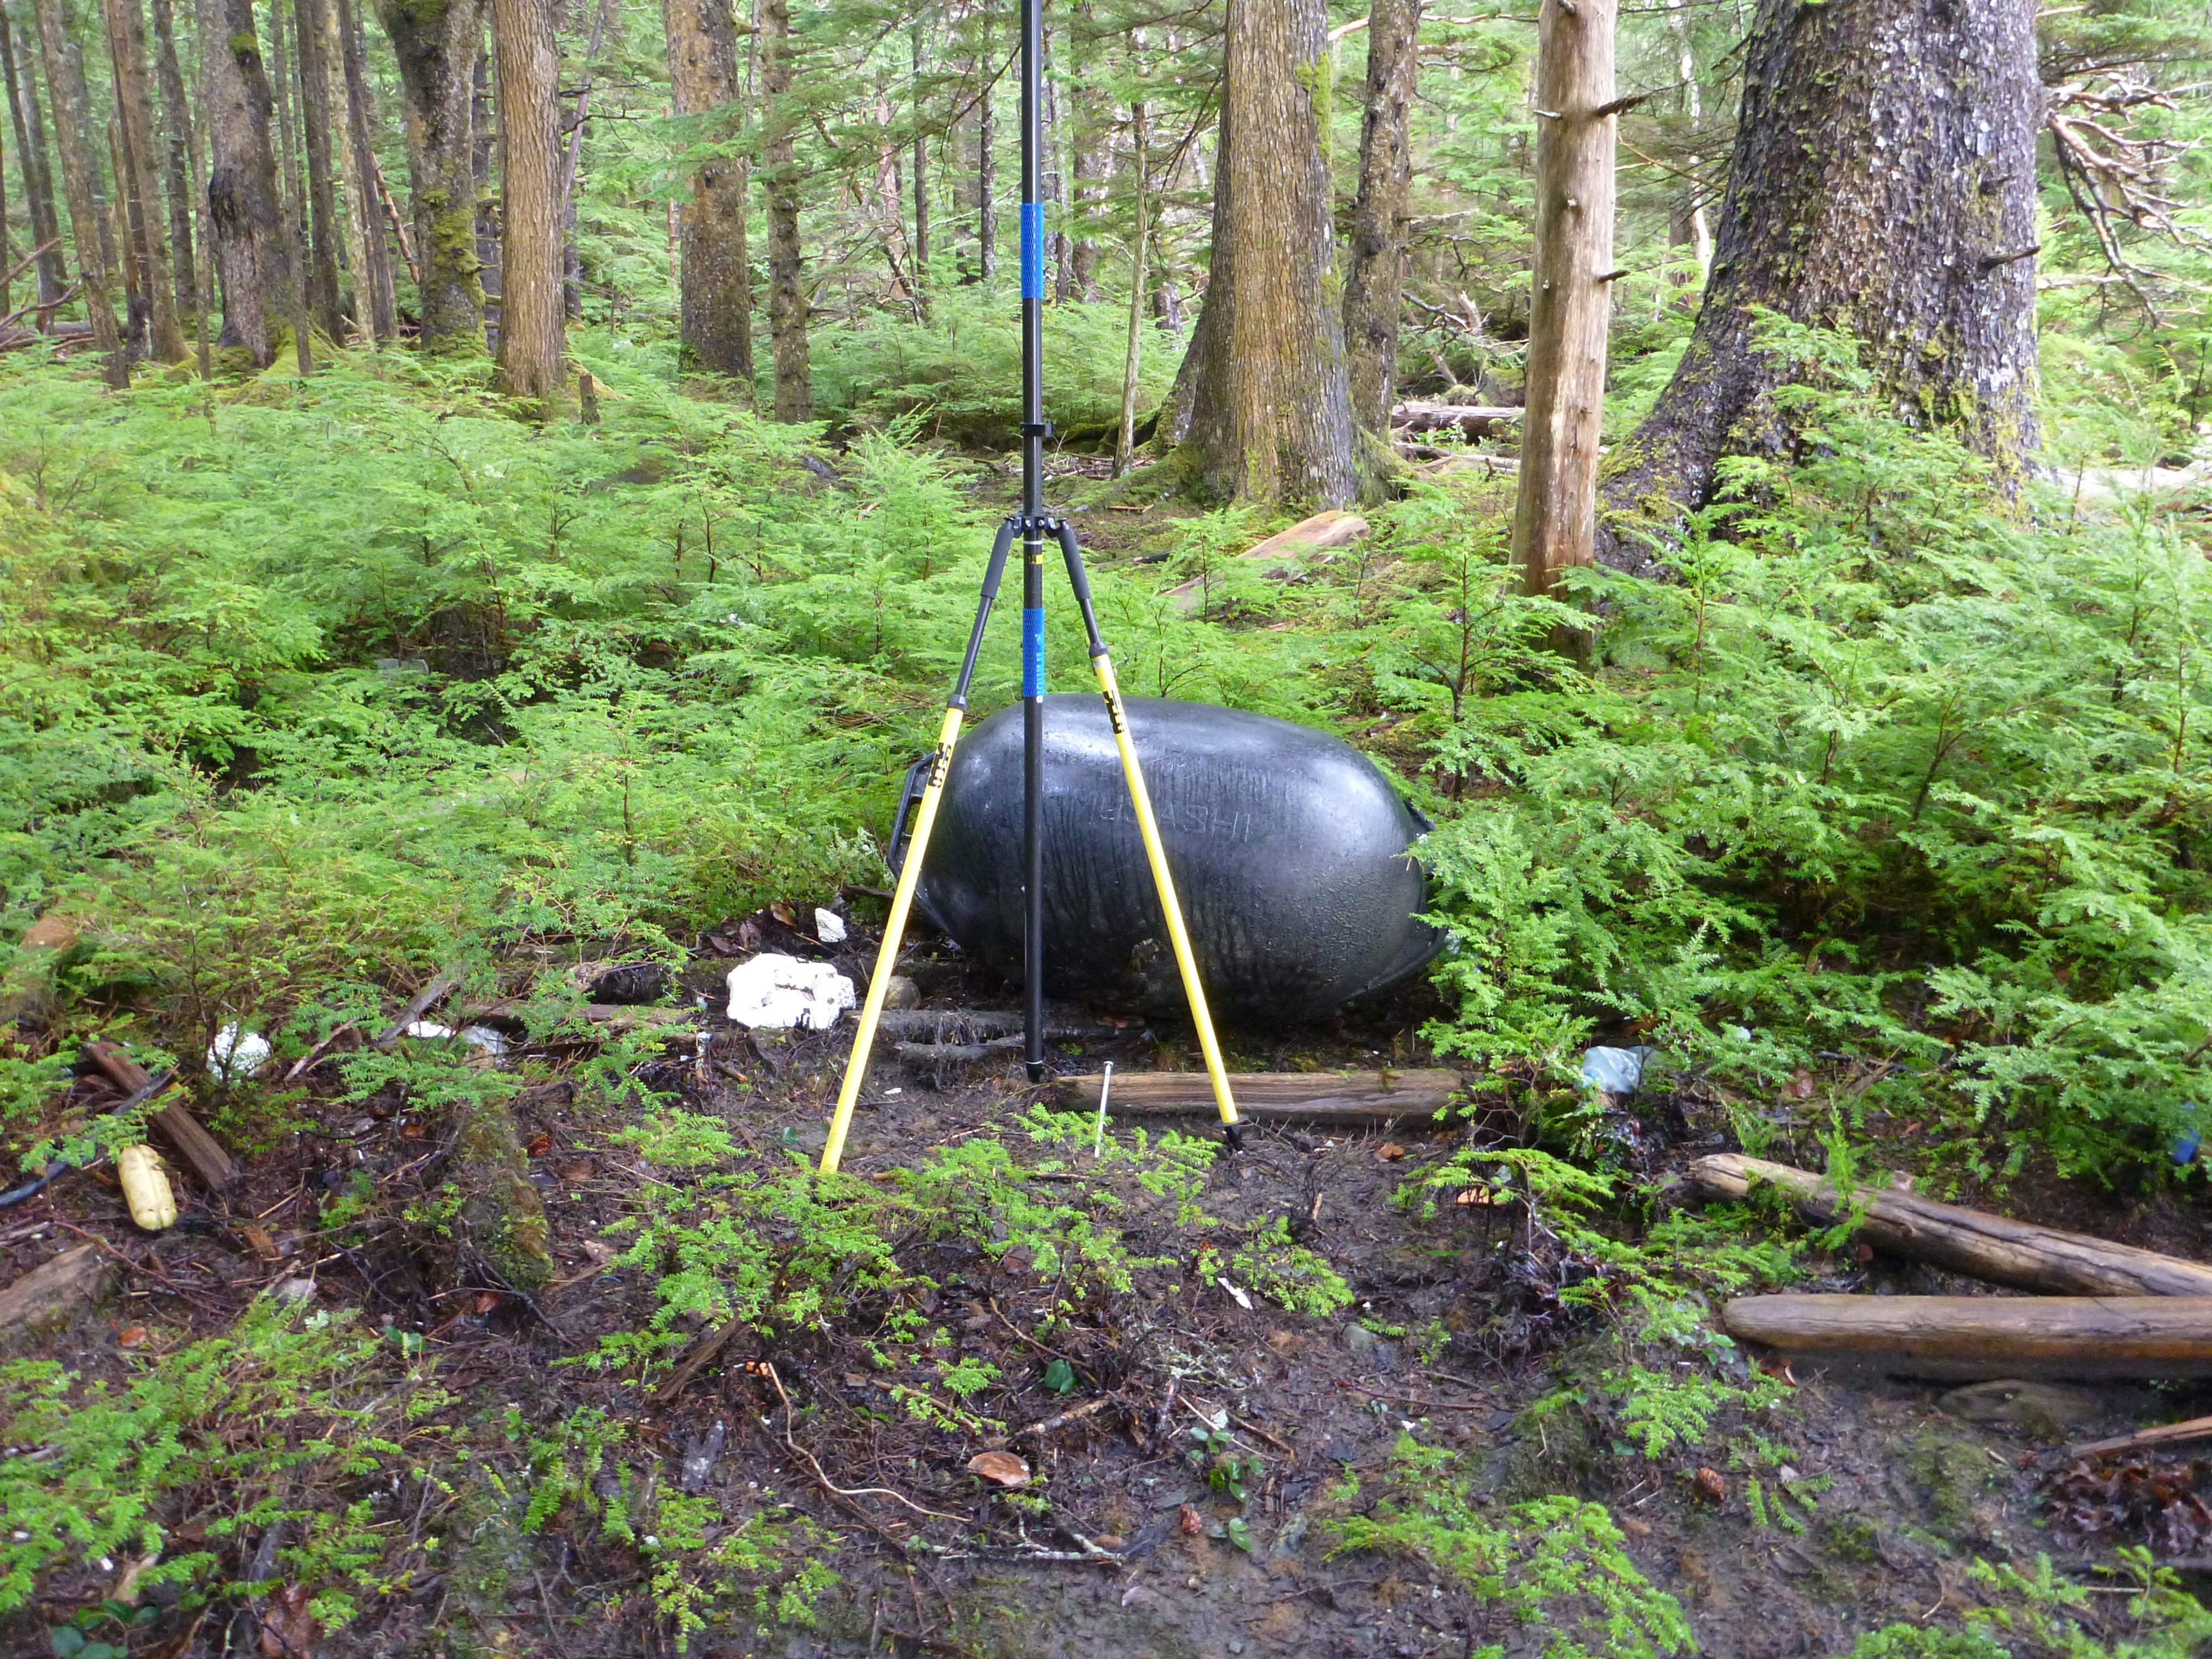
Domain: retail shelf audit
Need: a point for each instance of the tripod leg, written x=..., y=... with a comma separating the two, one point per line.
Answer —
x=910, y=876
x=1148, y=828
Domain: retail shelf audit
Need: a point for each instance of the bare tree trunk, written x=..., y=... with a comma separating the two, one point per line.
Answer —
x=532, y=326
x=482, y=137
x=921, y=189
x=313, y=38
x=716, y=294
x=986, y=183
x=436, y=42
x=1270, y=414
x=1554, y=512
x=176, y=159
x=571, y=264
x=1375, y=275
x=127, y=244
x=126, y=40
x=1087, y=160
x=244, y=213
x=1698, y=228
x=1133, y=362
x=787, y=286
x=1883, y=184
x=374, y=300
x=33, y=164
x=65, y=92
x=347, y=187
x=280, y=92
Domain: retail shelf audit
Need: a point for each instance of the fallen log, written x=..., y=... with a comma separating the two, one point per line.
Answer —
x=173, y=1122
x=1969, y=1337
x=1323, y=533
x=1349, y=1098
x=1970, y=1241
x=58, y=1286
x=1475, y=420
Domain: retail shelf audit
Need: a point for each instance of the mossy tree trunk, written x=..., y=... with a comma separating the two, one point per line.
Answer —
x=1882, y=185
x=715, y=327
x=244, y=217
x=176, y=158
x=787, y=284
x=66, y=96
x=1375, y=273
x=1270, y=407
x=436, y=43
x=532, y=324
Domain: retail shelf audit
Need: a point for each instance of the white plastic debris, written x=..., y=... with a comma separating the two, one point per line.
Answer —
x=427, y=1028
x=829, y=927
x=483, y=1037
x=1616, y=1071
x=776, y=992
x=236, y=1053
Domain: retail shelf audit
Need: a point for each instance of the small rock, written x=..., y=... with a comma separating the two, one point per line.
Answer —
x=630, y=983
x=2047, y=1407
x=294, y=1290
x=56, y=1287
x=1360, y=1339
x=829, y=927
x=902, y=992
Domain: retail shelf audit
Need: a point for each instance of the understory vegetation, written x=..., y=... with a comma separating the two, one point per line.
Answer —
x=1893, y=807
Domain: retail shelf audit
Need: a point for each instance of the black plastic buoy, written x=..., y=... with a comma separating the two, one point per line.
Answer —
x=1289, y=848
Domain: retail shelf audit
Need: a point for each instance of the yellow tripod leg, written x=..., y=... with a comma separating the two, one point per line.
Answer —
x=1178, y=936
x=879, y=984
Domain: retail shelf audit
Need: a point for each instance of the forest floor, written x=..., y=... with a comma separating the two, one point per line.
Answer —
x=1849, y=1505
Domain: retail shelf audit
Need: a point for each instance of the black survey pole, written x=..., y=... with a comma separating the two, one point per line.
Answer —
x=1033, y=539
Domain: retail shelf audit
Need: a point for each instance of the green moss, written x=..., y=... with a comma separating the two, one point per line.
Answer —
x=501, y=1208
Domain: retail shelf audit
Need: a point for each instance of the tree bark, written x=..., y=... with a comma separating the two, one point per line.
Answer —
x=532, y=322
x=716, y=298
x=920, y=188
x=126, y=40
x=787, y=288
x=1375, y=1098
x=65, y=94
x=312, y=38
x=374, y=299
x=571, y=264
x=178, y=172
x=986, y=183
x=1270, y=410
x=1132, y=361
x=436, y=42
x=2074, y=1338
x=127, y=246
x=243, y=209
x=33, y=164
x=1883, y=185
x=1570, y=305
x=482, y=137
x=1689, y=218
x=1972, y=1241
x=1375, y=273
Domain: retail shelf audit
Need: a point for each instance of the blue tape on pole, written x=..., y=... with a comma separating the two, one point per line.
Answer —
x=1032, y=652
x=1033, y=250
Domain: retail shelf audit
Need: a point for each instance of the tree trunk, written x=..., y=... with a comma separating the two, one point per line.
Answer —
x=243, y=211
x=1375, y=275
x=716, y=297
x=482, y=135
x=571, y=264
x=2074, y=1338
x=33, y=164
x=1125, y=441
x=176, y=159
x=347, y=187
x=921, y=189
x=1882, y=183
x=532, y=325
x=127, y=244
x=1087, y=160
x=65, y=92
x=312, y=38
x=126, y=38
x=787, y=288
x=1695, y=225
x=1570, y=304
x=436, y=42
x=374, y=299
x=986, y=184
x=1270, y=413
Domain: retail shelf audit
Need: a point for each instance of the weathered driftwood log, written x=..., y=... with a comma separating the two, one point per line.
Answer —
x=1970, y=1241
x=1374, y=1097
x=1967, y=1337
x=1475, y=420
x=174, y=1123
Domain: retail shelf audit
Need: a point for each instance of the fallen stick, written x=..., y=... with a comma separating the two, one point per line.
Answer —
x=1073, y=1414
x=1352, y=1097
x=420, y=1004
x=1972, y=1337
x=1475, y=420
x=2195, y=1428
x=1970, y=1241
x=173, y=1122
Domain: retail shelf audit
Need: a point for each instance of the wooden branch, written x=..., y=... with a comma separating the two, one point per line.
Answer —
x=2067, y=1337
x=1324, y=533
x=173, y=1122
x=1350, y=1097
x=1972, y=1241
x=1475, y=420
x=440, y=987
x=2195, y=1428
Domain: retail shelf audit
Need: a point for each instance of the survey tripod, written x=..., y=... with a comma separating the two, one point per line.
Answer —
x=1032, y=527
